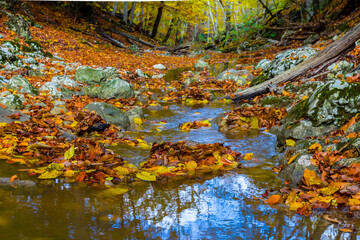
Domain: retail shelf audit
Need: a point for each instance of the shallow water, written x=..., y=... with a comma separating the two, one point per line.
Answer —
x=202, y=207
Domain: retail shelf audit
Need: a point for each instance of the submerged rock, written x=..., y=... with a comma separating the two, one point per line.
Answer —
x=110, y=114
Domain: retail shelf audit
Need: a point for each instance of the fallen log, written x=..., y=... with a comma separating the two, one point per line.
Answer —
x=129, y=36
x=110, y=39
x=325, y=57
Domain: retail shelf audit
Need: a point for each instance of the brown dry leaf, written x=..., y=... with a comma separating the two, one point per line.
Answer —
x=331, y=219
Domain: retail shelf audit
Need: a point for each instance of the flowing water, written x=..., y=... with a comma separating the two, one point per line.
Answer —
x=205, y=207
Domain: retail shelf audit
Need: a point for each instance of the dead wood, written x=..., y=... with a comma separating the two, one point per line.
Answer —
x=323, y=58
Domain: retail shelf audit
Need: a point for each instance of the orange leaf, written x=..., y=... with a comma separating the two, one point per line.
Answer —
x=274, y=199
x=2, y=105
x=81, y=177
x=13, y=178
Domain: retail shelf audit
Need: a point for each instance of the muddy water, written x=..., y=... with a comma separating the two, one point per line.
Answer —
x=217, y=206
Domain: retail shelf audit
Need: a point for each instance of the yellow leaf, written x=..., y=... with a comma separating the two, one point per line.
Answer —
x=146, y=176
x=137, y=121
x=121, y=171
x=295, y=206
x=162, y=170
x=248, y=156
x=290, y=142
x=69, y=173
x=316, y=147
x=145, y=146
x=58, y=121
x=285, y=93
x=74, y=124
x=293, y=158
x=50, y=174
x=191, y=166
x=311, y=178
x=329, y=190
x=69, y=153
x=114, y=191
x=254, y=122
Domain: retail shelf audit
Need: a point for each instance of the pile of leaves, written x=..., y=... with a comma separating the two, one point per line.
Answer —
x=182, y=158
x=185, y=127
x=253, y=117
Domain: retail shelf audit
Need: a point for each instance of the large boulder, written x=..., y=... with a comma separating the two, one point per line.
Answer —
x=333, y=103
x=11, y=101
x=110, y=114
x=65, y=81
x=56, y=90
x=89, y=75
x=283, y=62
x=136, y=112
x=116, y=88
x=241, y=77
x=21, y=85
x=159, y=66
x=19, y=25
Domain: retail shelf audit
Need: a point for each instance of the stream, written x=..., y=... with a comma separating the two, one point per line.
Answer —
x=206, y=207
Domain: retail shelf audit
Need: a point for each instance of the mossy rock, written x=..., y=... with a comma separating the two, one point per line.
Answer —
x=259, y=79
x=280, y=101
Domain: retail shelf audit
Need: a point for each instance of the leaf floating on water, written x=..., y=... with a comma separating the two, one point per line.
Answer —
x=145, y=146
x=331, y=219
x=146, y=176
x=69, y=153
x=248, y=156
x=274, y=199
x=50, y=174
x=114, y=191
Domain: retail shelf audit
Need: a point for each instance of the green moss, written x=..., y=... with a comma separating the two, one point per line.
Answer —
x=259, y=79
x=300, y=110
x=48, y=54
x=281, y=101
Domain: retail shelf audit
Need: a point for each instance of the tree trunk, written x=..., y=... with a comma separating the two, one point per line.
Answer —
x=266, y=9
x=321, y=59
x=125, y=12
x=115, y=8
x=132, y=12
x=129, y=36
x=167, y=36
x=157, y=21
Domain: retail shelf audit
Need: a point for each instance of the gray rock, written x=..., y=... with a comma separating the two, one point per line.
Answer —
x=13, y=46
x=342, y=67
x=116, y=88
x=136, y=112
x=241, y=77
x=65, y=81
x=90, y=75
x=7, y=55
x=4, y=113
x=18, y=24
x=312, y=39
x=110, y=114
x=263, y=64
x=59, y=108
x=159, y=66
x=29, y=60
x=158, y=76
x=333, y=103
x=56, y=90
x=11, y=101
x=201, y=64
x=21, y=85
x=295, y=171
x=141, y=74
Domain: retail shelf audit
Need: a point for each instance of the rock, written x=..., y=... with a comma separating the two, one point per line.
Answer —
x=333, y=103
x=6, y=55
x=263, y=64
x=90, y=75
x=141, y=74
x=276, y=101
x=136, y=112
x=17, y=24
x=158, y=76
x=201, y=64
x=65, y=81
x=342, y=67
x=29, y=60
x=21, y=85
x=116, y=88
x=56, y=90
x=110, y=114
x=287, y=34
x=295, y=171
x=59, y=108
x=11, y=101
x=312, y=39
x=241, y=77
x=109, y=72
x=159, y=66
x=283, y=62
x=5, y=113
